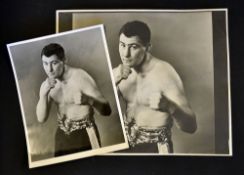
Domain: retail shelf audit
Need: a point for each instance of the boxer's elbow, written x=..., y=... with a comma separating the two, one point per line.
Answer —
x=41, y=118
x=186, y=122
x=40, y=114
x=190, y=129
x=190, y=126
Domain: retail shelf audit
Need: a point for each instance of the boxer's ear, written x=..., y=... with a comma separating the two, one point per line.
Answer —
x=65, y=60
x=149, y=47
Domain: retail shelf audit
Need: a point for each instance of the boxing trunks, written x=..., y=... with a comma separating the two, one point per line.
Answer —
x=140, y=135
x=76, y=135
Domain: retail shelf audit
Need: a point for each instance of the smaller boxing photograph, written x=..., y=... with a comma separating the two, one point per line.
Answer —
x=69, y=103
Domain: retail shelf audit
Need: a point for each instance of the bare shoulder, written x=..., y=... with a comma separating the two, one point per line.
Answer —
x=79, y=74
x=86, y=81
x=167, y=72
x=164, y=67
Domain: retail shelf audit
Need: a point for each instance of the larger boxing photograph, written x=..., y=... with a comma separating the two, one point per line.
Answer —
x=67, y=98
x=171, y=71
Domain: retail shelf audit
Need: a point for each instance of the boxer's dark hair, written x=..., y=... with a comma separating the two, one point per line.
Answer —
x=137, y=28
x=53, y=49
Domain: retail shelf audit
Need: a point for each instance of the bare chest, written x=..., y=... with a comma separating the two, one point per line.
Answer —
x=139, y=89
x=66, y=93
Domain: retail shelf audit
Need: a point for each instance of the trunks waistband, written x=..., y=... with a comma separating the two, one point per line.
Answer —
x=69, y=125
x=137, y=135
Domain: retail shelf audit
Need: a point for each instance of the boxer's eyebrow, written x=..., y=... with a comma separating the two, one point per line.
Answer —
x=130, y=44
x=134, y=44
x=55, y=61
x=121, y=42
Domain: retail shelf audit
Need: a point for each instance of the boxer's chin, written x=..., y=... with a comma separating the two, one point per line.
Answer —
x=51, y=76
x=127, y=64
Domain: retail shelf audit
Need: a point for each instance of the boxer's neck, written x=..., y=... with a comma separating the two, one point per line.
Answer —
x=145, y=65
x=65, y=73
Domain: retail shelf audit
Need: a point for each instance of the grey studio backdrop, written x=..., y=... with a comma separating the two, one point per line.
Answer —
x=84, y=50
x=185, y=40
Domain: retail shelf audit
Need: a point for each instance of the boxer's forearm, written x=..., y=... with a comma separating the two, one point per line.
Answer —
x=177, y=106
x=118, y=74
x=185, y=119
x=95, y=98
x=117, y=79
x=42, y=109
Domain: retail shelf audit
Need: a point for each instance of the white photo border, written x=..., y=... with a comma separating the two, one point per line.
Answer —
x=230, y=142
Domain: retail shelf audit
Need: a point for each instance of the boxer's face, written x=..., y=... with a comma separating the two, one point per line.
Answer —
x=53, y=66
x=131, y=50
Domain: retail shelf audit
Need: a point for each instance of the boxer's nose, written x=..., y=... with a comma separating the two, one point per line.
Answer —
x=50, y=68
x=127, y=52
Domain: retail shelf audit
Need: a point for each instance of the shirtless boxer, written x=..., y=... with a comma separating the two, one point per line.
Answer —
x=153, y=93
x=75, y=93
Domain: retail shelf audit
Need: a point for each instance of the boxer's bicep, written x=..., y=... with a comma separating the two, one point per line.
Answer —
x=97, y=99
x=96, y=94
x=177, y=97
x=175, y=91
x=93, y=91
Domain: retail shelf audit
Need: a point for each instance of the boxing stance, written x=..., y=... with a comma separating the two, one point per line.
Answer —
x=75, y=94
x=153, y=93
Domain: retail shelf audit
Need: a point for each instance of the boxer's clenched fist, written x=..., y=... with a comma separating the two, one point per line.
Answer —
x=82, y=99
x=158, y=101
x=47, y=85
x=51, y=82
x=124, y=71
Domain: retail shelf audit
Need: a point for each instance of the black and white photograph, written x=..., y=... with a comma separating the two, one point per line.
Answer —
x=171, y=72
x=69, y=104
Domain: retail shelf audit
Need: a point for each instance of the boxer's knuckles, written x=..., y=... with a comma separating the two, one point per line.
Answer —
x=46, y=87
x=125, y=71
x=158, y=101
